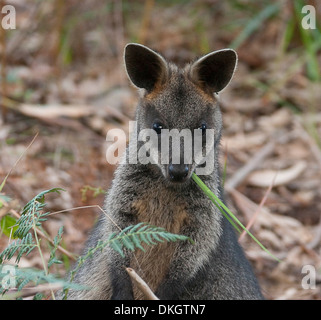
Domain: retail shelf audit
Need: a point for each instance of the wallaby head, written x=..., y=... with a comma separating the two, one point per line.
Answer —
x=183, y=101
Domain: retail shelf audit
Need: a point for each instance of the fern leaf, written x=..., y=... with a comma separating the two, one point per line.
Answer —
x=52, y=259
x=19, y=247
x=117, y=246
x=137, y=242
x=26, y=276
x=149, y=236
x=157, y=238
x=129, y=243
x=32, y=213
x=137, y=226
x=142, y=236
x=132, y=237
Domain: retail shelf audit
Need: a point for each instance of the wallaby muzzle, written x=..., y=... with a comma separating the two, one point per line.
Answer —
x=178, y=172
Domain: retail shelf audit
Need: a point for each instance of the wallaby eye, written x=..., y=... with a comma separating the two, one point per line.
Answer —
x=203, y=127
x=157, y=126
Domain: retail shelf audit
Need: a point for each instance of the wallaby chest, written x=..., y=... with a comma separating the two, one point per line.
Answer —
x=162, y=208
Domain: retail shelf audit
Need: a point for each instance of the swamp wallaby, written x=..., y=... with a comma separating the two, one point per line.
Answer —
x=164, y=195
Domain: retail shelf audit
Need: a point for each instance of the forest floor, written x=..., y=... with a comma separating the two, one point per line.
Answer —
x=271, y=146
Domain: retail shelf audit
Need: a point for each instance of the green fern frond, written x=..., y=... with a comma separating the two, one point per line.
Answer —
x=32, y=213
x=227, y=213
x=34, y=277
x=53, y=259
x=130, y=238
x=133, y=236
x=19, y=247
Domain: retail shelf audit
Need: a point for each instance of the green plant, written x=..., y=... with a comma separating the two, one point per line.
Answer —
x=96, y=192
x=311, y=40
x=227, y=213
x=27, y=240
x=130, y=238
x=255, y=23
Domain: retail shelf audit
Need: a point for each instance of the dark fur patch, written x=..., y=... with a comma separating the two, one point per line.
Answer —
x=179, y=81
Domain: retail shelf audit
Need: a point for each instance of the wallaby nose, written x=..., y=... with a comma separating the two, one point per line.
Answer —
x=178, y=172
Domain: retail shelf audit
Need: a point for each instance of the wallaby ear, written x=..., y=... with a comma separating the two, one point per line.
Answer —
x=215, y=70
x=144, y=66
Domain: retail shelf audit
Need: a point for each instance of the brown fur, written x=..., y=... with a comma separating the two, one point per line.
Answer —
x=155, y=92
x=153, y=264
x=198, y=85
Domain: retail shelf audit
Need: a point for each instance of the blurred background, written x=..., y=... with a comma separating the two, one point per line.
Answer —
x=62, y=77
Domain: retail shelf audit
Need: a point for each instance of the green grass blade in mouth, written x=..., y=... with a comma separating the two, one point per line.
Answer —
x=227, y=213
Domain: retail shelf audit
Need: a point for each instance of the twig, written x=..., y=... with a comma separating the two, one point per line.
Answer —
x=141, y=285
x=28, y=292
x=44, y=264
x=244, y=203
x=15, y=164
x=259, y=208
x=252, y=206
x=7, y=207
x=86, y=207
x=103, y=211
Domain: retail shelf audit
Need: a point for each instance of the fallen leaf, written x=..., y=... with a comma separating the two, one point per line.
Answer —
x=264, y=178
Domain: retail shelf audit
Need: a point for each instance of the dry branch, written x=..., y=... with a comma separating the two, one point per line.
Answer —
x=31, y=291
x=253, y=218
x=141, y=284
